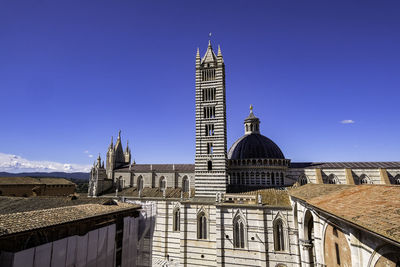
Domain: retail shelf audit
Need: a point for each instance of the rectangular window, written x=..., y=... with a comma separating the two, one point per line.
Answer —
x=337, y=253
x=208, y=75
x=209, y=94
x=209, y=148
x=209, y=112
x=209, y=129
x=209, y=165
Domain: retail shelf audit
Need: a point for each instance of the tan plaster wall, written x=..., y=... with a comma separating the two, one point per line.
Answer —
x=330, y=250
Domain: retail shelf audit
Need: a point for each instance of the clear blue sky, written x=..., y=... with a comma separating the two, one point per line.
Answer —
x=72, y=73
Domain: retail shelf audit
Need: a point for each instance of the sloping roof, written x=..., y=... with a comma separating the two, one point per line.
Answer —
x=271, y=197
x=18, y=180
x=209, y=56
x=373, y=207
x=34, y=180
x=23, y=204
x=30, y=220
x=160, y=168
x=153, y=192
x=343, y=165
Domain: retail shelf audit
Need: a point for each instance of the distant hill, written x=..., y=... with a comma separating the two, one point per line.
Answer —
x=73, y=175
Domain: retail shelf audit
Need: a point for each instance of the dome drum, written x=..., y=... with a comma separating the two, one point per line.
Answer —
x=263, y=163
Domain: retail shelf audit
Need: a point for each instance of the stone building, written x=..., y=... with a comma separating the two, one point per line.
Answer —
x=35, y=186
x=62, y=231
x=232, y=207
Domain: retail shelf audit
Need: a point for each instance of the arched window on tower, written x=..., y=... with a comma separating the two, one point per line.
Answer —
x=201, y=226
x=185, y=184
x=163, y=183
x=239, y=233
x=273, y=178
x=177, y=219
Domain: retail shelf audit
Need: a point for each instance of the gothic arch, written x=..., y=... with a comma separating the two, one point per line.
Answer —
x=239, y=230
x=303, y=179
x=280, y=229
x=332, y=179
x=202, y=224
x=162, y=183
x=382, y=251
x=326, y=228
x=364, y=179
x=139, y=183
x=308, y=228
x=176, y=216
x=185, y=184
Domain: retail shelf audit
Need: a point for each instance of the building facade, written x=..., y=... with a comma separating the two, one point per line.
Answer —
x=234, y=207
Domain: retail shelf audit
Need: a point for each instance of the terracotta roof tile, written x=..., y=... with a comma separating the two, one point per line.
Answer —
x=153, y=192
x=33, y=180
x=22, y=204
x=30, y=220
x=373, y=207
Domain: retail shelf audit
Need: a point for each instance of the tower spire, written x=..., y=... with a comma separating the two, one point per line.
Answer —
x=112, y=143
x=210, y=160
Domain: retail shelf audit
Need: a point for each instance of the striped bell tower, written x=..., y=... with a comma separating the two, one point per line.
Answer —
x=211, y=156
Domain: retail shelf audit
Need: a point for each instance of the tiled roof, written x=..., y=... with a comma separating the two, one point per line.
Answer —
x=30, y=220
x=373, y=207
x=343, y=165
x=34, y=180
x=153, y=192
x=22, y=204
x=271, y=196
x=160, y=167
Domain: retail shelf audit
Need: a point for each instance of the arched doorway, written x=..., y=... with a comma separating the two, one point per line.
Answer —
x=308, y=244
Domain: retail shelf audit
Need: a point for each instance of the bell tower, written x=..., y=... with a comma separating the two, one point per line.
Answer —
x=211, y=156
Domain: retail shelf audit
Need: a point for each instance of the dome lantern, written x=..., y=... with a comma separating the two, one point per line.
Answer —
x=251, y=123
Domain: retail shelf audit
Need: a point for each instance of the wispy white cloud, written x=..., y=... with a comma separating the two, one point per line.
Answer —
x=14, y=163
x=87, y=153
x=347, y=122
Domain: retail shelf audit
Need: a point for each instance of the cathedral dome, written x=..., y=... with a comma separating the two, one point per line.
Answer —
x=255, y=146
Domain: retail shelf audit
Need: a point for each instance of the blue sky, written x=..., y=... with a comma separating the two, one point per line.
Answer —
x=72, y=73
